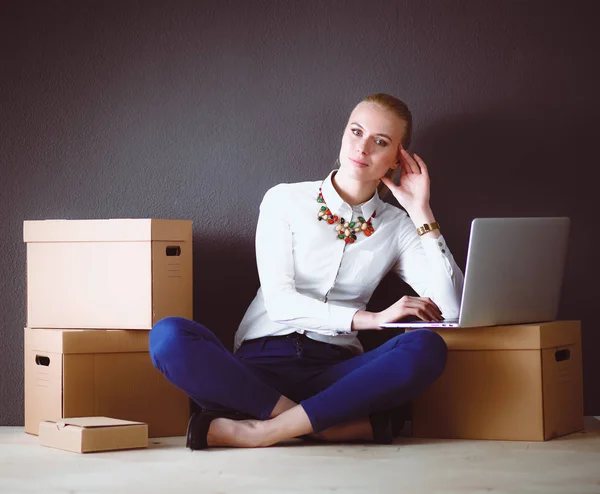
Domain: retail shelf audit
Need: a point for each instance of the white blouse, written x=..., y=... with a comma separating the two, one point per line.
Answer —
x=313, y=282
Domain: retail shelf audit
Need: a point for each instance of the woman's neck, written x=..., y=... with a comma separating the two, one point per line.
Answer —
x=352, y=191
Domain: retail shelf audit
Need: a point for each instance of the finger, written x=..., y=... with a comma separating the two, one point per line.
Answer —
x=421, y=309
x=435, y=311
x=432, y=313
x=431, y=309
x=423, y=315
x=423, y=166
x=403, y=170
x=410, y=162
x=434, y=304
x=407, y=162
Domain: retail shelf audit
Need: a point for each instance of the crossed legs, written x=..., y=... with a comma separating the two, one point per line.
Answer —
x=192, y=358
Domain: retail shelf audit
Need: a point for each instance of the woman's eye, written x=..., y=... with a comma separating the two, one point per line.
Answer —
x=356, y=132
x=380, y=142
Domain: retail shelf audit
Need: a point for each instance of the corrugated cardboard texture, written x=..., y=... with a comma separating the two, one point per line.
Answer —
x=69, y=341
x=81, y=274
x=562, y=381
x=484, y=394
x=514, y=337
x=172, y=293
x=110, y=230
x=114, y=438
x=122, y=384
x=493, y=391
x=171, y=230
x=125, y=386
x=68, y=439
x=89, y=285
x=97, y=434
x=95, y=422
x=43, y=387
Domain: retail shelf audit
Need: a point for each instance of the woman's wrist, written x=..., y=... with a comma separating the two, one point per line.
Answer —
x=424, y=215
x=364, y=319
x=421, y=215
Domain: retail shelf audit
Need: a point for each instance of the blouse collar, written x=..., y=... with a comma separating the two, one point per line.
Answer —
x=339, y=207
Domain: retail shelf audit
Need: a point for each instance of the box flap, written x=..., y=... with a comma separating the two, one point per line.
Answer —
x=110, y=230
x=516, y=337
x=93, y=422
x=68, y=341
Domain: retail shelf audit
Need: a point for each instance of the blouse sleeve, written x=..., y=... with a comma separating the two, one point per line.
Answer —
x=428, y=266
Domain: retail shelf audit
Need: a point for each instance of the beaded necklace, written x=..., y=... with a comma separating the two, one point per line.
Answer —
x=346, y=230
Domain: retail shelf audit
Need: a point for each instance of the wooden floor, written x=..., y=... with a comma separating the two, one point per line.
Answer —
x=565, y=465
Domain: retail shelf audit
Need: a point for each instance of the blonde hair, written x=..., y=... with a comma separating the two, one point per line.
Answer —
x=400, y=109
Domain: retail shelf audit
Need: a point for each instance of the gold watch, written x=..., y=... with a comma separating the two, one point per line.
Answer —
x=427, y=227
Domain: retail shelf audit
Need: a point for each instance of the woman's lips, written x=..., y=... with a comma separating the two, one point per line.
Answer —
x=359, y=163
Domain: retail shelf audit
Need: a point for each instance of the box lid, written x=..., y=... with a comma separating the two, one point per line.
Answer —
x=515, y=337
x=110, y=230
x=69, y=341
x=89, y=422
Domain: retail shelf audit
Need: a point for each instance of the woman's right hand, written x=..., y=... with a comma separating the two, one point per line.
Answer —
x=422, y=307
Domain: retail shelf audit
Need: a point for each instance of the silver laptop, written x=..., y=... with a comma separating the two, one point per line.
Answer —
x=514, y=273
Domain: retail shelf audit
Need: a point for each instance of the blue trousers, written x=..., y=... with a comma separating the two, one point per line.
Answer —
x=332, y=385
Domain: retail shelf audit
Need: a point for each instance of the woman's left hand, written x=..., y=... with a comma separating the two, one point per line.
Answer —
x=413, y=192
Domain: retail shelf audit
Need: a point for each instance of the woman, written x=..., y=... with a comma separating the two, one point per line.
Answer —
x=322, y=248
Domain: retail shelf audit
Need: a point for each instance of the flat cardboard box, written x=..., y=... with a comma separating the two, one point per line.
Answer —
x=118, y=273
x=89, y=434
x=89, y=373
x=519, y=382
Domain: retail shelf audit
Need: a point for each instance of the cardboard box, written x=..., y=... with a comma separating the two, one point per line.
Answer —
x=119, y=274
x=88, y=434
x=521, y=382
x=89, y=373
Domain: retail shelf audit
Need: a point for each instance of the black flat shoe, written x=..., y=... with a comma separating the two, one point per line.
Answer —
x=199, y=423
x=381, y=423
x=388, y=424
x=399, y=416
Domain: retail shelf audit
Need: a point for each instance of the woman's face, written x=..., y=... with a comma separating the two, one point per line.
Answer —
x=370, y=142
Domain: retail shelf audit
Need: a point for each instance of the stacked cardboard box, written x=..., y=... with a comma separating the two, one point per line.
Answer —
x=518, y=382
x=94, y=290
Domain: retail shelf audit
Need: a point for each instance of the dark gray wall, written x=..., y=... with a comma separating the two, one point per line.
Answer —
x=194, y=109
